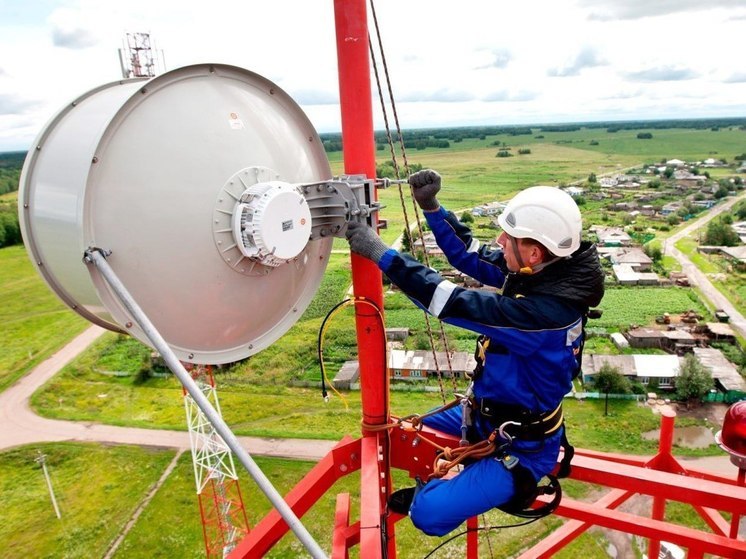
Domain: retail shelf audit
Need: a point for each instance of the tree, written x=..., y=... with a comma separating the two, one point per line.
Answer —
x=609, y=379
x=653, y=251
x=719, y=233
x=693, y=381
x=406, y=245
x=467, y=217
x=592, y=177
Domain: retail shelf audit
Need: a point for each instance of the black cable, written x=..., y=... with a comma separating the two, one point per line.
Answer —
x=478, y=529
x=324, y=393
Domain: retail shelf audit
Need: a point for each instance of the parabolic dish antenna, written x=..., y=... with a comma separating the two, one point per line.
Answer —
x=188, y=179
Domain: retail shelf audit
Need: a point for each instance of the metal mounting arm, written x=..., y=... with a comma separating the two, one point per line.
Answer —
x=335, y=203
x=97, y=257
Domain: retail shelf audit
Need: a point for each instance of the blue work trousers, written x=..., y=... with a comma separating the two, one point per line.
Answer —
x=441, y=505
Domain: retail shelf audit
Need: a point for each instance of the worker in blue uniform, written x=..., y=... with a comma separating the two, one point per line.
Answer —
x=531, y=337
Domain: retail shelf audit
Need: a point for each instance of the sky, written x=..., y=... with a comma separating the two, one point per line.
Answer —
x=455, y=63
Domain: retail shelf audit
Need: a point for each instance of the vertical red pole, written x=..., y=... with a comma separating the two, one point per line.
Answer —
x=665, y=444
x=735, y=521
x=359, y=158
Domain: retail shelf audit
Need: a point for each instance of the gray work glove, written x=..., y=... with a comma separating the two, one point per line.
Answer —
x=425, y=186
x=364, y=241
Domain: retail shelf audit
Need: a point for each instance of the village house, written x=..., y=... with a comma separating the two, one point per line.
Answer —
x=637, y=368
x=737, y=255
x=674, y=341
x=663, y=369
x=740, y=228
x=611, y=236
x=671, y=208
x=574, y=191
x=608, y=182
x=492, y=208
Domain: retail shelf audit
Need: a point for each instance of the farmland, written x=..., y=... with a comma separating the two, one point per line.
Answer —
x=275, y=393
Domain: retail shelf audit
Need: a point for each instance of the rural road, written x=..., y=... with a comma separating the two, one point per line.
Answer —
x=696, y=277
x=19, y=425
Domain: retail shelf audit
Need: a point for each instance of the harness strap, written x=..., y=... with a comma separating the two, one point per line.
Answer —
x=526, y=493
x=520, y=423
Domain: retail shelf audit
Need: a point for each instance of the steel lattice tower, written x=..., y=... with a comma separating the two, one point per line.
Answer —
x=224, y=520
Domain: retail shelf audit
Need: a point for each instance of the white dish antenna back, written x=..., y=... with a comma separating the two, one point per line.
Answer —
x=187, y=178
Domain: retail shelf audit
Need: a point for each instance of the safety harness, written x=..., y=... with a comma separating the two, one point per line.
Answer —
x=511, y=422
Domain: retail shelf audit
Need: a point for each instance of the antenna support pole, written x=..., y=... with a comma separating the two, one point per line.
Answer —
x=97, y=257
x=353, y=60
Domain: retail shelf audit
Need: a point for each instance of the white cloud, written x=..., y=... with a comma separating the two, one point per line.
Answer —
x=486, y=62
x=663, y=73
x=738, y=77
x=588, y=57
x=607, y=10
x=12, y=105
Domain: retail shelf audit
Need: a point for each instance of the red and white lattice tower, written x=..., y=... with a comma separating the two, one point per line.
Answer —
x=224, y=521
x=138, y=57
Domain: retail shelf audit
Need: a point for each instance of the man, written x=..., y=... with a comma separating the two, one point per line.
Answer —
x=531, y=340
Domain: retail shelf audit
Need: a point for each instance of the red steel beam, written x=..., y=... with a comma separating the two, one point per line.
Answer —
x=696, y=541
x=340, y=549
x=342, y=460
x=671, y=486
x=562, y=536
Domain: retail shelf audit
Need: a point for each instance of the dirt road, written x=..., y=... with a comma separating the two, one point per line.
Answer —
x=19, y=425
x=696, y=277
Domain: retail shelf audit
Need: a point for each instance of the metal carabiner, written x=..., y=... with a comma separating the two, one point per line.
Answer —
x=503, y=434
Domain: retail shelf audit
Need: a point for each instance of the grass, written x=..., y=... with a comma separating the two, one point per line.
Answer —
x=731, y=283
x=82, y=393
x=97, y=489
x=35, y=323
x=105, y=384
x=96, y=505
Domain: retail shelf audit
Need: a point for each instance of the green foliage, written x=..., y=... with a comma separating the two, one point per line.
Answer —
x=693, y=381
x=333, y=288
x=467, y=217
x=654, y=251
x=10, y=170
x=610, y=380
x=720, y=233
x=644, y=136
x=386, y=169
x=10, y=230
x=504, y=153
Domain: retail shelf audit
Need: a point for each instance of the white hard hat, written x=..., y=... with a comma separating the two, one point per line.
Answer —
x=547, y=215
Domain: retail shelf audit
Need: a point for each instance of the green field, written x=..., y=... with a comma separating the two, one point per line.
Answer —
x=34, y=322
x=97, y=488
x=100, y=486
